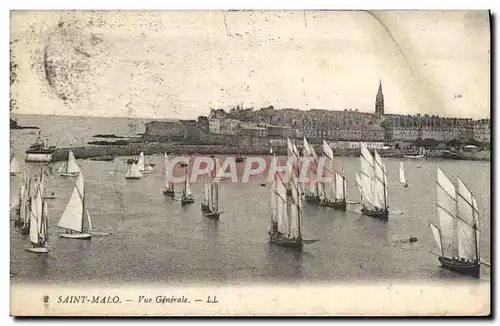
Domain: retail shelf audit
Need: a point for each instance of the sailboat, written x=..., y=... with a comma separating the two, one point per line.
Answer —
x=69, y=168
x=286, y=213
x=239, y=158
x=374, y=184
x=133, y=171
x=143, y=166
x=314, y=189
x=73, y=216
x=419, y=155
x=210, y=203
x=458, y=235
x=334, y=192
x=187, y=196
x=168, y=187
x=402, y=177
x=14, y=166
x=22, y=203
x=39, y=223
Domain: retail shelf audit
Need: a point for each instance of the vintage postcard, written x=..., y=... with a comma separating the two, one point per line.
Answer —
x=241, y=162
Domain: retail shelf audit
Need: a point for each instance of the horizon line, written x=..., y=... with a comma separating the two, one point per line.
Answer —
x=226, y=110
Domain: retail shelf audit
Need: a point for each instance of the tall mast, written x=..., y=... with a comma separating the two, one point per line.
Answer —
x=83, y=208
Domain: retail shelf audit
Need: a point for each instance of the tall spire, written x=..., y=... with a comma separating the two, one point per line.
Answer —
x=379, y=101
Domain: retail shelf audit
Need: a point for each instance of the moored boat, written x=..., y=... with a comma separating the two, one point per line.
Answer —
x=187, y=196
x=38, y=229
x=168, y=187
x=333, y=194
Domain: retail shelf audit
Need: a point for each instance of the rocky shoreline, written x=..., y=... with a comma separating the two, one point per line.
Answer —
x=85, y=152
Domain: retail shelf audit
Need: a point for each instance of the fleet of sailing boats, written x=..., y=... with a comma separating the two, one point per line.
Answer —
x=457, y=235
x=69, y=168
x=143, y=166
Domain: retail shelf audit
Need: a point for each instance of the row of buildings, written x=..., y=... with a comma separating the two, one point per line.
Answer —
x=268, y=126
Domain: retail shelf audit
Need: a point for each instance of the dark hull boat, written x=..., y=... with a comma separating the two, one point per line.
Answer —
x=461, y=266
x=340, y=205
x=205, y=208
x=312, y=199
x=169, y=193
x=381, y=214
x=282, y=241
x=187, y=201
x=213, y=215
x=18, y=223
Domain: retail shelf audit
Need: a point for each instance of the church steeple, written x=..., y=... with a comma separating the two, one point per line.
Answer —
x=379, y=101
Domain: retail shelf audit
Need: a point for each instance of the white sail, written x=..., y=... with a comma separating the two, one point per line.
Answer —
x=188, y=187
x=140, y=162
x=327, y=150
x=14, y=165
x=206, y=193
x=467, y=223
x=379, y=190
x=271, y=151
x=133, y=171
x=71, y=165
x=359, y=184
x=437, y=236
x=295, y=210
x=44, y=230
x=402, y=177
x=466, y=240
x=62, y=167
x=339, y=187
x=37, y=206
x=367, y=175
x=282, y=211
x=33, y=227
x=274, y=200
x=89, y=221
x=447, y=211
x=215, y=192
x=72, y=216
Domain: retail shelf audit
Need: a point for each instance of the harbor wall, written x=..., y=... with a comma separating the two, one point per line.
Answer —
x=84, y=152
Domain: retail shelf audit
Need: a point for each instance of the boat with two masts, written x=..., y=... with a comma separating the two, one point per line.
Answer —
x=210, y=202
x=334, y=191
x=286, y=211
x=143, y=166
x=39, y=222
x=374, y=184
x=458, y=235
x=313, y=190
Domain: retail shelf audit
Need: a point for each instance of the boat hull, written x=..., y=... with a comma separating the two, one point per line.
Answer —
x=49, y=197
x=312, y=199
x=384, y=214
x=72, y=174
x=18, y=223
x=132, y=178
x=240, y=159
x=466, y=268
x=187, y=201
x=286, y=242
x=39, y=250
x=80, y=236
x=212, y=215
x=13, y=174
x=342, y=205
x=169, y=193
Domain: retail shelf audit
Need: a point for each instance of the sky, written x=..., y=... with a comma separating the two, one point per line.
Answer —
x=179, y=64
